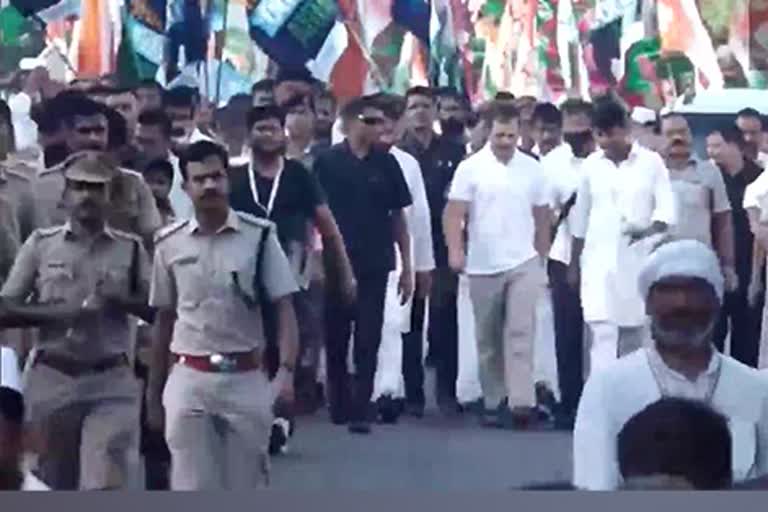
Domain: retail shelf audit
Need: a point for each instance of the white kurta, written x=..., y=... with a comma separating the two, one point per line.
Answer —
x=612, y=396
x=389, y=370
x=10, y=374
x=468, y=378
x=610, y=199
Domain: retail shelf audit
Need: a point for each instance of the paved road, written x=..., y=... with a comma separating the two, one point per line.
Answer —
x=431, y=454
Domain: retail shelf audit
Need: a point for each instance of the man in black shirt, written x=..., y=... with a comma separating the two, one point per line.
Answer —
x=726, y=148
x=288, y=194
x=438, y=157
x=368, y=194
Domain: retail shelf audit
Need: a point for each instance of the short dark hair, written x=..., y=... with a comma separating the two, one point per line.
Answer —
x=157, y=117
x=5, y=112
x=117, y=128
x=731, y=135
x=504, y=96
x=357, y=106
x=72, y=104
x=502, y=112
x=547, y=113
x=325, y=94
x=677, y=437
x=199, y=151
x=451, y=93
x=11, y=406
x=256, y=114
x=297, y=99
x=181, y=97
x=419, y=90
x=608, y=114
x=149, y=83
x=159, y=166
x=392, y=105
x=751, y=113
x=266, y=84
x=577, y=106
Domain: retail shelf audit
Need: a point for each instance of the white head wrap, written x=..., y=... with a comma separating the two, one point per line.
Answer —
x=682, y=258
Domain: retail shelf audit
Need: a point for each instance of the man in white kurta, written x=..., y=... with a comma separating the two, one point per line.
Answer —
x=624, y=205
x=683, y=284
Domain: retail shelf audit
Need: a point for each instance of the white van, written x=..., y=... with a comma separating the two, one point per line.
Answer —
x=709, y=110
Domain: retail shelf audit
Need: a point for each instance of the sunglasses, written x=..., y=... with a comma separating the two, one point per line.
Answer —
x=371, y=121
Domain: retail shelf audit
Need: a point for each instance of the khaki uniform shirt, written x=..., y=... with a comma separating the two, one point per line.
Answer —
x=133, y=207
x=17, y=189
x=56, y=266
x=194, y=275
x=9, y=238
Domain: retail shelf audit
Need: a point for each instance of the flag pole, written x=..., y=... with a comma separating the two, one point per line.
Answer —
x=221, y=53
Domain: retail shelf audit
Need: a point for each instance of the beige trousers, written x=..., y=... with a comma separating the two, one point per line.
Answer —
x=504, y=306
x=88, y=427
x=217, y=426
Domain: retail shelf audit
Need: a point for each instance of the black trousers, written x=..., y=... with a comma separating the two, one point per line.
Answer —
x=349, y=400
x=569, y=336
x=413, y=356
x=745, y=325
x=443, y=333
x=157, y=457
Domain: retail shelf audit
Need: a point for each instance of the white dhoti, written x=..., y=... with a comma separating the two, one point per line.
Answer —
x=544, y=354
x=468, y=379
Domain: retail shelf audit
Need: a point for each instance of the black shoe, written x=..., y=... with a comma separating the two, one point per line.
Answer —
x=359, y=427
x=339, y=418
x=278, y=439
x=388, y=410
x=415, y=410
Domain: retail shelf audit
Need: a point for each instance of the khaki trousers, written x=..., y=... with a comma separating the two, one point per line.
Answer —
x=217, y=426
x=504, y=306
x=88, y=427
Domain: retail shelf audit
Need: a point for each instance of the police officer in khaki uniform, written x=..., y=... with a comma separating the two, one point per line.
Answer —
x=132, y=206
x=85, y=279
x=206, y=281
x=9, y=238
x=17, y=189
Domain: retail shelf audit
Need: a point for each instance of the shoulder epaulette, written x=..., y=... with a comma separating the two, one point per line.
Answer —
x=125, y=234
x=253, y=220
x=46, y=232
x=166, y=231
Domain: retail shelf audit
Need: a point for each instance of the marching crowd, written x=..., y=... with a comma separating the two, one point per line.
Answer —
x=181, y=284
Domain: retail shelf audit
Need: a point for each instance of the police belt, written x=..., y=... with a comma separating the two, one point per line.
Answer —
x=75, y=368
x=221, y=363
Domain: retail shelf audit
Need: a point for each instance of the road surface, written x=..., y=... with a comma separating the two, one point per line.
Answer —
x=429, y=454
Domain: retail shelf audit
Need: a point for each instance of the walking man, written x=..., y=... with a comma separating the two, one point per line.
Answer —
x=500, y=194
x=624, y=204
x=87, y=278
x=368, y=196
x=211, y=277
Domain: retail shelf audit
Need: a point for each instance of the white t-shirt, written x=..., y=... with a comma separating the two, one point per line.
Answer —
x=501, y=199
x=563, y=172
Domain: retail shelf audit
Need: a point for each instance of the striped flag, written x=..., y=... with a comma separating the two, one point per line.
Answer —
x=95, y=51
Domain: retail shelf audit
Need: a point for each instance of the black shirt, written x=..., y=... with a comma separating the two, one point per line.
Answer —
x=362, y=195
x=736, y=185
x=298, y=196
x=438, y=164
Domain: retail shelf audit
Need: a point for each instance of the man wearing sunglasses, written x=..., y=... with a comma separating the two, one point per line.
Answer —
x=367, y=194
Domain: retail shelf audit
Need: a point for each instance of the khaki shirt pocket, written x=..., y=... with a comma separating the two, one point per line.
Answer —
x=241, y=276
x=190, y=280
x=56, y=281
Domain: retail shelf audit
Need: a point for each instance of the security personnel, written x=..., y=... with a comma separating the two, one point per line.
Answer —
x=209, y=275
x=9, y=238
x=17, y=189
x=132, y=206
x=85, y=279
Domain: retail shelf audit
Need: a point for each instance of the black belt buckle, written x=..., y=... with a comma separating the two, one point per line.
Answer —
x=223, y=363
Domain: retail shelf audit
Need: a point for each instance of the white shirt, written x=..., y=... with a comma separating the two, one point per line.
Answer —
x=180, y=201
x=501, y=199
x=762, y=159
x=418, y=214
x=610, y=199
x=563, y=171
x=10, y=374
x=628, y=385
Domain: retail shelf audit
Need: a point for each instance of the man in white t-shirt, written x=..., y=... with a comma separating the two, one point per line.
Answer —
x=500, y=195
